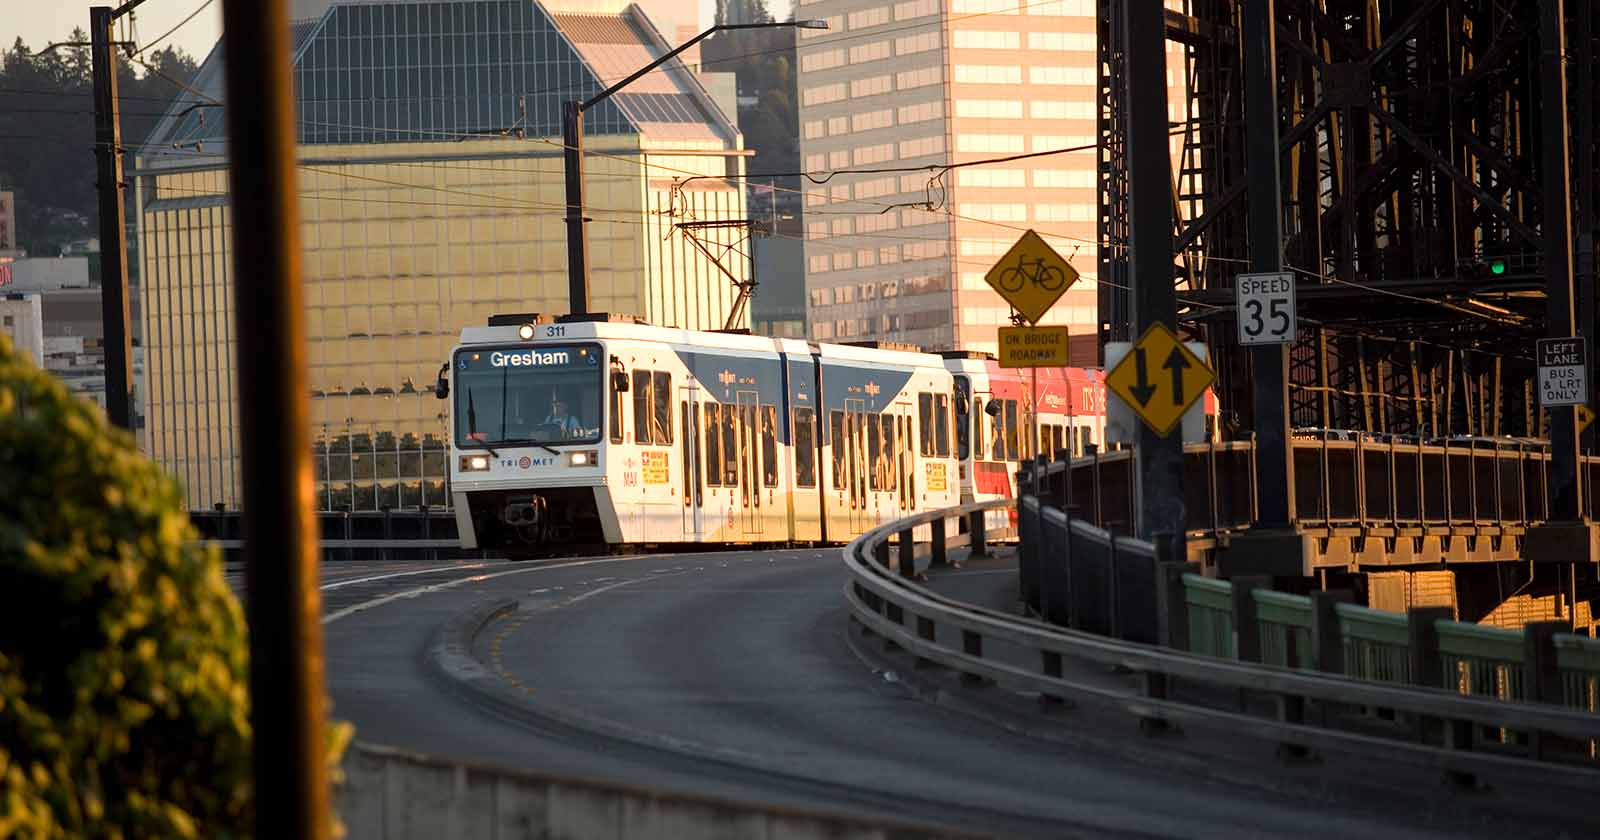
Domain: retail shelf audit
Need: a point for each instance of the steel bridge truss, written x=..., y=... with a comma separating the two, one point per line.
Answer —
x=1412, y=163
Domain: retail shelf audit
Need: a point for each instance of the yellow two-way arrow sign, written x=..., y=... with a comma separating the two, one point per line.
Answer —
x=1160, y=378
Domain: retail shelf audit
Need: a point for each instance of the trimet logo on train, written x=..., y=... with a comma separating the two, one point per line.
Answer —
x=529, y=358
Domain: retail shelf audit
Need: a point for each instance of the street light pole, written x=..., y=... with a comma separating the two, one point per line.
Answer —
x=572, y=141
x=117, y=340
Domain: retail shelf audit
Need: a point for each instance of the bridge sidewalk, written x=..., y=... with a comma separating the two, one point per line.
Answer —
x=991, y=582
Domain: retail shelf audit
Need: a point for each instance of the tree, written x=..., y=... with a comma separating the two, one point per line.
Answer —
x=124, y=709
x=47, y=152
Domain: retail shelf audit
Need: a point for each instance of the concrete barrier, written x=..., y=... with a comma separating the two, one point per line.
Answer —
x=389, y=794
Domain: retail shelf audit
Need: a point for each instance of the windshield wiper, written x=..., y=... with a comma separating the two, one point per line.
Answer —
x=472, y=426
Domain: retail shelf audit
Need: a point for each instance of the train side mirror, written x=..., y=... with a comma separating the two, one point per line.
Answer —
x=441, y=388
x=993, y=409
x=619, y=381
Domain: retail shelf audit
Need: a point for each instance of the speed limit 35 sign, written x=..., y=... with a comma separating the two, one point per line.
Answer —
x=1266, y=308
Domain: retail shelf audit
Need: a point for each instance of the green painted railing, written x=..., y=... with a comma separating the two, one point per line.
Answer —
x=1486, y=661
x=1284, y=622
x=1209, y=605
x=1376, y=644
x=1578, y=659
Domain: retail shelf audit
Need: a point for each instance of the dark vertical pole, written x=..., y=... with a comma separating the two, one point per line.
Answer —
x=1580, y=48
x=1149, y=164
x=1270, y=377
x=577, y=236
x=113, y=222
x=286, y=667
x=1566, y=491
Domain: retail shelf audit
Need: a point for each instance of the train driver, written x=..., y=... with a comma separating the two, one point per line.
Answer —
x=566, y=424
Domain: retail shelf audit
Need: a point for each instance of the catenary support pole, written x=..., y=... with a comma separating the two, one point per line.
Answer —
x=1269, y=381
x=286, y=665
x=1149, y=162
x=118, y=338
x=1566, y=491
x=577, y=232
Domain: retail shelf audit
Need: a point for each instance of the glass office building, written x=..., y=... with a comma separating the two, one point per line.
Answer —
x=432, y=195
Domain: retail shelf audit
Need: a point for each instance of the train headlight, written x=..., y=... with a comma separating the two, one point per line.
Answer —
x=525, y=332
x=586, y=458
x=474, y=463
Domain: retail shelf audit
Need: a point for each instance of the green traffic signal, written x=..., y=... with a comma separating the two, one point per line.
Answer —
x=1498, y=267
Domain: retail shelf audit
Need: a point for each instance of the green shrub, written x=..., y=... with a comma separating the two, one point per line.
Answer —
x=124, y=701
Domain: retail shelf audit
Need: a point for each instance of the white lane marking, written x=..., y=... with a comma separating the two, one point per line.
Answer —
x=354, y=581
x=451, y=584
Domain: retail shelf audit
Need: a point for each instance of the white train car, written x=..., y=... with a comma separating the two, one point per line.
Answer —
x=594, y=431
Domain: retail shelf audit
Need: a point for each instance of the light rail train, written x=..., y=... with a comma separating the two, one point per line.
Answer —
x=601, y=431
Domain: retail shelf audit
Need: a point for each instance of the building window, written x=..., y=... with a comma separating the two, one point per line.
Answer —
x=915, y=8
x=992, y=74
x=922, y=147
x=999, y=109
x=871, y=86
x=985, y=7
x=989, y=143
x=920, y=112
x=1062, y=76
x=869, y=17
x=823, y=94
x=872, y=119
x=913, y=44
x=874, y=51
x=814, y=129
x=979, y=39
x=991, y=178
x=921, y=77
x=995, y=212
x=822, y=60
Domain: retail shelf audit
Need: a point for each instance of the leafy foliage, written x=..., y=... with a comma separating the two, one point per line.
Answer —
x=763, y=60
x=47, y=149
x=124, y=708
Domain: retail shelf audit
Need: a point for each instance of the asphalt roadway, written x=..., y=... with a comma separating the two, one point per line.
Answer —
x=739, y=675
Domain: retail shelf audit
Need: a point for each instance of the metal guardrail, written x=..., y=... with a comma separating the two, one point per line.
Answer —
x=1175, y=684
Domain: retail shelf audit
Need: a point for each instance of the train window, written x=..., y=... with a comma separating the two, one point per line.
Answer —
x=661, y=430
x=769, y=445
x=805, y=447
x=641, y=407
x=836, y=438
x=998, y=450
x=875, y=478
x=977, y=416
x=1086, y=435
x=731, y=451
x=941, y=419
x=1013, y=451
x=687, y=469
x=691, y=436
x=891, y=454
x=616, y=415
x=925, y=418
x=713, y=444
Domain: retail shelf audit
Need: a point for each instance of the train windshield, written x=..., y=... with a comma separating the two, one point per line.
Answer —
x=539, y=395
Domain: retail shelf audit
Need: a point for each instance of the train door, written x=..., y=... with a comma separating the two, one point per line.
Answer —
x=749, y=495
x=855, y=423
x=693, y=484
x=904, y=464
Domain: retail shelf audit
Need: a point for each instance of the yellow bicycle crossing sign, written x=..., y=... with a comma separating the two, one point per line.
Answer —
x=1031, y=277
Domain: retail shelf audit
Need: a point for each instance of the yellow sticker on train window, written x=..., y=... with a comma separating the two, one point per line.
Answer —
x=936, y=479
x=655, y=467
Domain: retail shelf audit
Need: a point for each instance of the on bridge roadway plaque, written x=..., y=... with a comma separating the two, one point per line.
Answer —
x=1563, y=371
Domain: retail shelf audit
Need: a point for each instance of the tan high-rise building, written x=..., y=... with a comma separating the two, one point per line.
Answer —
x=431, y=196
x=926, y=83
